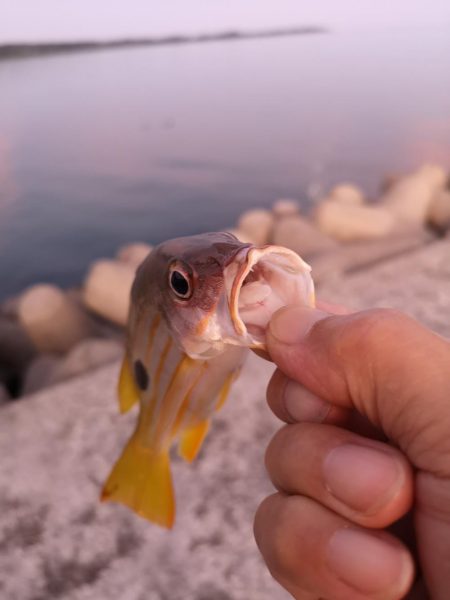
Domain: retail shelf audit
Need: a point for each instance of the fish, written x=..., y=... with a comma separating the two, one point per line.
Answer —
x=198, y=305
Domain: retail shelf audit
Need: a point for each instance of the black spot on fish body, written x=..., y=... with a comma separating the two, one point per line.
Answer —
x=141, y=375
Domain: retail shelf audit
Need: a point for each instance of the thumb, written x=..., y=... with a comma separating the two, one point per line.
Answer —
x=379, y=362
x=395, y=372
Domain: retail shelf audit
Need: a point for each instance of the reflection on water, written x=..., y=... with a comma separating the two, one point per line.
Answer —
x=7, y=187
x=149, y=143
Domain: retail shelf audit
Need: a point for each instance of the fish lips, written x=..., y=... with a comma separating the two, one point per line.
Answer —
x=277, y=276
x=257, y=281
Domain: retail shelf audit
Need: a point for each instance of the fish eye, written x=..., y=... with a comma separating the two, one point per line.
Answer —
x=180, y=284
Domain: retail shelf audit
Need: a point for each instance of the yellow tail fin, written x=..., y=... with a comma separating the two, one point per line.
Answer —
x=191, y=440
x=141, y=479
x=127, y=390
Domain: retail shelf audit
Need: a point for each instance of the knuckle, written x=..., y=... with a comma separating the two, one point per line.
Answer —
x=273, y=448
x=273, y=527
x=362, y=344
x=288, y=551
x=262, y=516
x=283, y=444
x=275, y=387
x=371, y=328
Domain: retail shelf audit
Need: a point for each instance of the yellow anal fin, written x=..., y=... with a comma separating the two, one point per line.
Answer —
x=142, y=481
x=192, y=439
x=223, y=395
x=127, y=389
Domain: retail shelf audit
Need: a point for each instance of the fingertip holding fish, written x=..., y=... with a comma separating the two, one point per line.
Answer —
x=198, y=304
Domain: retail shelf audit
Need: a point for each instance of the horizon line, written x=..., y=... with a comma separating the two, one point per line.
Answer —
x=24, y=49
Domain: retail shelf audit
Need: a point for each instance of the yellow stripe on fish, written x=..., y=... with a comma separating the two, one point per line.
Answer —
x=127, y=390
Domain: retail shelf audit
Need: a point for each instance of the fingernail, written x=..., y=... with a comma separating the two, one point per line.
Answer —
x=363, y=478
x=302, y=405
x=289, y=325
x=368, y=563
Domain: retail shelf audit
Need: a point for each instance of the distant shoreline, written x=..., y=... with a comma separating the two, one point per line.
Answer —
x=26, y=50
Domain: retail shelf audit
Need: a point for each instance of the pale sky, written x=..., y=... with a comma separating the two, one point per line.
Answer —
x=41, y=20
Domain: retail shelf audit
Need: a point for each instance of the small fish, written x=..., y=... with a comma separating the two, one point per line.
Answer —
x=197, y=305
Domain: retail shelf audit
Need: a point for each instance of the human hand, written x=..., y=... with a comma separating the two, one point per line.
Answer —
x=367, y=402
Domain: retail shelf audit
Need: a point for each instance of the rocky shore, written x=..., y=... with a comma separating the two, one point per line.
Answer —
x=48, y=335
x=57, y=445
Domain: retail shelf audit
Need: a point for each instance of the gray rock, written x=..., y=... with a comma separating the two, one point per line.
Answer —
x=57, y=540
x=257, y=225
x=16, y=349
x=388, y=181
x=75, y=294
x=439, y=211
x=241, y=235
x=40, y=374
x=347, y=193
x=10, y=308
x=54, y=322
x=4, y=395
x=357, y=256
x=47, y=369
x=107, y=289
x=101, y=328
x=301, y=236
x=348, y=222
x=410, y=197
x=133, y=254
x=417, y=282
x=285, y=207
x=89, y=354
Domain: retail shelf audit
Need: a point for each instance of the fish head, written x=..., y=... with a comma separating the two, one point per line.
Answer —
x=214, y=291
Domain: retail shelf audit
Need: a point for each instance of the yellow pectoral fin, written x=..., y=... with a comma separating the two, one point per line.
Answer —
x=127, y=389
x=142, y=481
x=192, y=439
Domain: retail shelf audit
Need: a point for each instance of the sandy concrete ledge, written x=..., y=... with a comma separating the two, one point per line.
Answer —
x=57, y=541
x=417, y=283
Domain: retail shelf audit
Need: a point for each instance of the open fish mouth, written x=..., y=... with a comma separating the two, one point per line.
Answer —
x=259, y=281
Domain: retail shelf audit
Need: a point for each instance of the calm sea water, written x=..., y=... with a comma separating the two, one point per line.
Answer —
x=98, y=149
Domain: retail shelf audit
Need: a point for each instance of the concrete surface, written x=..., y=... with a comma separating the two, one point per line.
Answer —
x=58, y=542
x=56, y=448
x=417, y=283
